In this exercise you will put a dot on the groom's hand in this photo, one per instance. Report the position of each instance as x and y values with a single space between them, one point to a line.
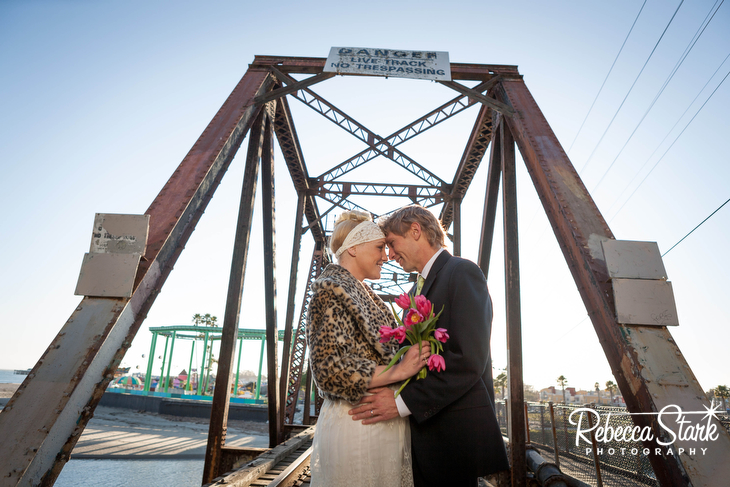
380 406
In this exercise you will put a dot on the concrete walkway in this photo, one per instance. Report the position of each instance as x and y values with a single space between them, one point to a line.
117 433
123 434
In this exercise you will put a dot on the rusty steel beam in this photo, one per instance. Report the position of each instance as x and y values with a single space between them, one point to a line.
640 357
43 420
486 100
355 128
288 356
221 394
494 173
380 147
456 212
424 195
474 152
314 65
299 346
417 127
517 436
268 214
279 92
290 148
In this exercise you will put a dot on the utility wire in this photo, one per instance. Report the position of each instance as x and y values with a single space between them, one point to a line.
607 75
684 55
669 132
630 89
695 228
668 148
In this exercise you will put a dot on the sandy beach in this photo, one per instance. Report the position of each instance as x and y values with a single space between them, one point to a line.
7 390
118 433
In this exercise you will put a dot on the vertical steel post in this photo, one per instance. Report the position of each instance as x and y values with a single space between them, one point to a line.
238 364
289 320
150 359
490 201
512 295
269 215
189 381
222 392
169 362
306 419
209 363
457 226
261 362
555 435
596 461
201 374
162 369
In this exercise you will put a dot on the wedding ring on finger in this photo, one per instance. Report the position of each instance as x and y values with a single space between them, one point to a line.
371 413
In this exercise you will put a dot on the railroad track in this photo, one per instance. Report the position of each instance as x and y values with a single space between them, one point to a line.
286 465
293 470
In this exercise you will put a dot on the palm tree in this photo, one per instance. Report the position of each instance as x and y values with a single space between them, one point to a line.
561 382
723 393
206 319
610 387
501 381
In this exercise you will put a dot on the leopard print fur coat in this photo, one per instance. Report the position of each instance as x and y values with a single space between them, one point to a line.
343 320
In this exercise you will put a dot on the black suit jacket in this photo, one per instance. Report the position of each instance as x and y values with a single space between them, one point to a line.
454 429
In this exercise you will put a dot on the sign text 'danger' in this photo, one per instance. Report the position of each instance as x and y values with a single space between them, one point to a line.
433 65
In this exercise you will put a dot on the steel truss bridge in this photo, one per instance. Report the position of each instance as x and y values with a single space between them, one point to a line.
44 419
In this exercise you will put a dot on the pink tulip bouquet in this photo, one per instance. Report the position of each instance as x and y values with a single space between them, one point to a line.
418 325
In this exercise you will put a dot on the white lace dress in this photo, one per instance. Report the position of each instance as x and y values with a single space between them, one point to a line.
348 453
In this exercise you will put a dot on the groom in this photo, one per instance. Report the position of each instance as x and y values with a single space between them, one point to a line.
455 437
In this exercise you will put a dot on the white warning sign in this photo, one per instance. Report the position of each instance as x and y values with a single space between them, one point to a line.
433 65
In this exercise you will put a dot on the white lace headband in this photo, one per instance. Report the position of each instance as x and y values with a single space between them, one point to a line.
366 231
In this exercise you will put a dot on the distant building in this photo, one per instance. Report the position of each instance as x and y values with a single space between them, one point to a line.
572 396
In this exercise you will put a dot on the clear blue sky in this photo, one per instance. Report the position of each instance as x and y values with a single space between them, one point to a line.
100 101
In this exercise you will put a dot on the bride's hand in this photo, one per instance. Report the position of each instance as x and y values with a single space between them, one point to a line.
414 360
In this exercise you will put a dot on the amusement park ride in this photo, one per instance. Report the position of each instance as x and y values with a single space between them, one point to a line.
623 284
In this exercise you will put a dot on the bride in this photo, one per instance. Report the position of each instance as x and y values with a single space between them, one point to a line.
347 359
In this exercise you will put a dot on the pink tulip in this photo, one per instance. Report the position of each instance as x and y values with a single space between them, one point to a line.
399 334
437 363
423 305
403 301
441 334
413 317
386 333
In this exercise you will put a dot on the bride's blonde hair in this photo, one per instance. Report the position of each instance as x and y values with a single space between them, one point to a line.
345 223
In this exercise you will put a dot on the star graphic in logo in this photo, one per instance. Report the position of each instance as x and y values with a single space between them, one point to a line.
712 410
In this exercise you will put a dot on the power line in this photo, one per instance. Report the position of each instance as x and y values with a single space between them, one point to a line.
668 148
695 228
684 55
669 132
607 75
630 89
